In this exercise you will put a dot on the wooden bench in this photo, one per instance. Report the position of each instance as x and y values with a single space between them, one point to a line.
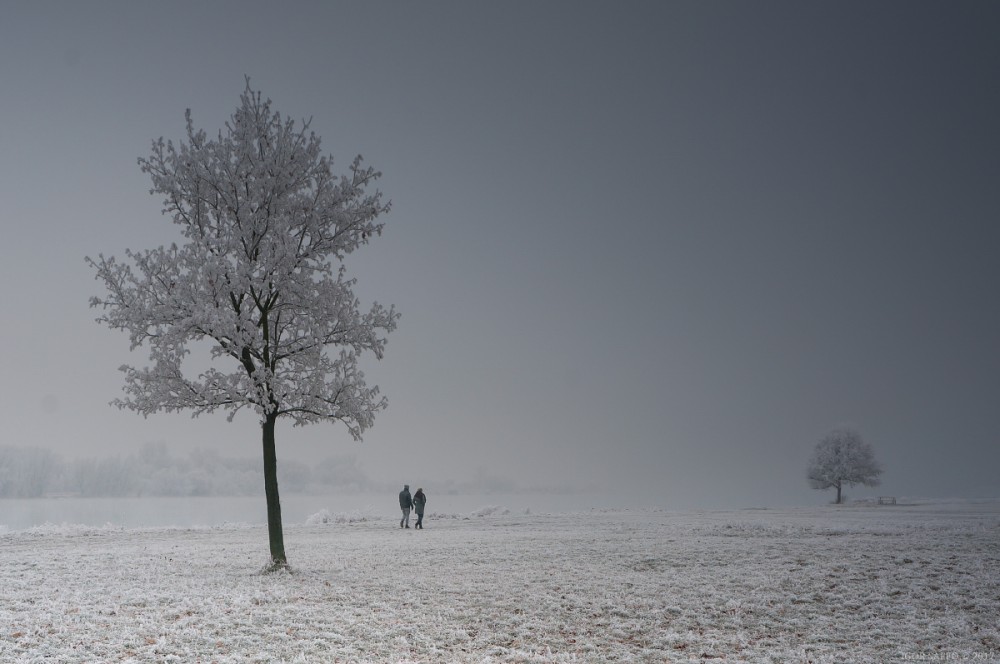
887 500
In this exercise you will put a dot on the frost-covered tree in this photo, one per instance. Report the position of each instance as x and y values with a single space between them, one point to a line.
27 472
259 277
842 458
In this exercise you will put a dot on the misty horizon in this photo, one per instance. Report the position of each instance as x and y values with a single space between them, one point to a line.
153 471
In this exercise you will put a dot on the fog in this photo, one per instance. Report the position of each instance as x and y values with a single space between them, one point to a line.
653 250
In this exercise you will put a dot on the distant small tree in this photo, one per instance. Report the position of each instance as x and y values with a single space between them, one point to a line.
259 280
842 458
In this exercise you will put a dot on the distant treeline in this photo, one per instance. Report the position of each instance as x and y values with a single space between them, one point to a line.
27 472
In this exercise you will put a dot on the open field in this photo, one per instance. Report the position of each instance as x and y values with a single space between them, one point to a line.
849 584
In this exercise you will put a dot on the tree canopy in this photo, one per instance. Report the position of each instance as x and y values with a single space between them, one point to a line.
266 225
842 458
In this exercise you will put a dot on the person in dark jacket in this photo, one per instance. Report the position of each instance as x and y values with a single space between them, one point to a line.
419 500
405 503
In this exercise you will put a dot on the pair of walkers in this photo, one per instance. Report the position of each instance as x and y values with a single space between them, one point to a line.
416 502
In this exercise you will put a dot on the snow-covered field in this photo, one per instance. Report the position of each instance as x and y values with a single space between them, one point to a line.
848 584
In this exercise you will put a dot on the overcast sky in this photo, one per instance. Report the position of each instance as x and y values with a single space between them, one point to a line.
652 247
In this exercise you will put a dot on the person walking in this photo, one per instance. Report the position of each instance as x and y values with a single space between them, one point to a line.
419 500
405 503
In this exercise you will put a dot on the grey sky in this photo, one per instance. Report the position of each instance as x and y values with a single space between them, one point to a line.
657 247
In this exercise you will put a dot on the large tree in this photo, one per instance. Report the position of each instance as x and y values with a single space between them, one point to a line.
842 458
259 277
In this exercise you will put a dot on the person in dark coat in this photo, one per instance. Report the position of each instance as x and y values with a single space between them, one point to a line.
419 500
405 503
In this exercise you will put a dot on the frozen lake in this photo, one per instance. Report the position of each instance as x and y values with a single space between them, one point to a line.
860 584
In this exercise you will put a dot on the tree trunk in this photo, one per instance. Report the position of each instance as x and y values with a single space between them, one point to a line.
838 490
275 536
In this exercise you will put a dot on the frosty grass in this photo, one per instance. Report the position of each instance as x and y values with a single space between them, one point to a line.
850 584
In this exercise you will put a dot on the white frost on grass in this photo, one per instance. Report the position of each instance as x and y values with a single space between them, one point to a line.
861 584
326 517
